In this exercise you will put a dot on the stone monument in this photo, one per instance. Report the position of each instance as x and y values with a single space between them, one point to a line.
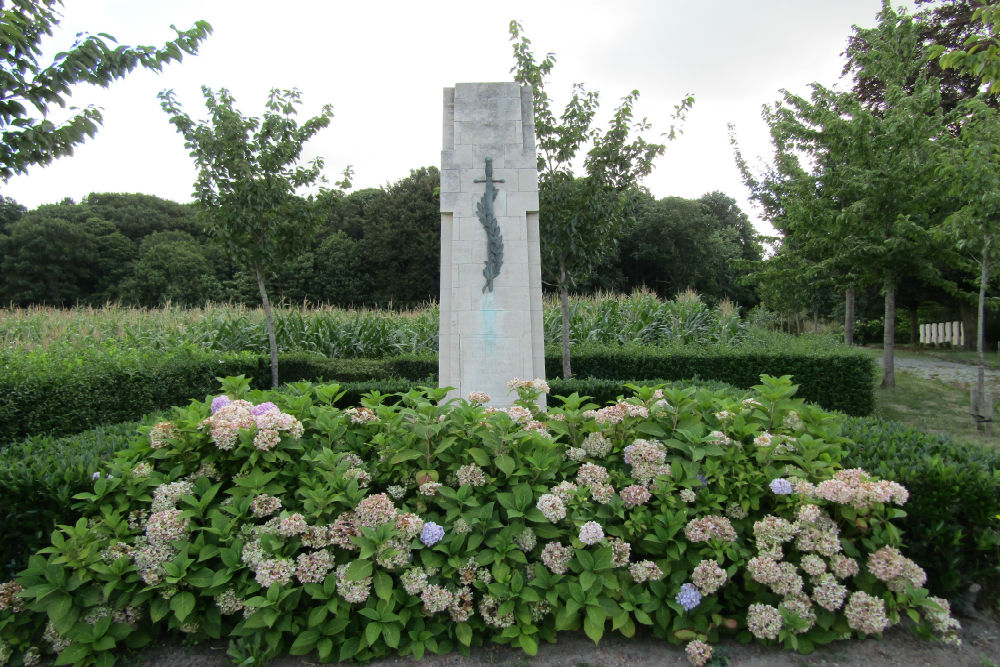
491 283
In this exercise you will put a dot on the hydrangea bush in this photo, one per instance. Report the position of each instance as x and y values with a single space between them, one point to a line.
290 525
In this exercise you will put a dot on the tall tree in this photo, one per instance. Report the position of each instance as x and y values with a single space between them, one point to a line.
30 89
249 172
971 165
581 215
979 54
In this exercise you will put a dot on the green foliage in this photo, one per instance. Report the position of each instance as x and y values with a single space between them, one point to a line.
981 56
950 526
31 89
248 177
186 537
582 216
38 479
70 391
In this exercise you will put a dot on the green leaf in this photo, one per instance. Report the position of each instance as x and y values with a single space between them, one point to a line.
359 569
182 604
529 644
372 632
390 633
505 464
383 585
305 642
463 631
523 496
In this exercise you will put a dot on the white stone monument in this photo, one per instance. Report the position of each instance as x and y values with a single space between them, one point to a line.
491 283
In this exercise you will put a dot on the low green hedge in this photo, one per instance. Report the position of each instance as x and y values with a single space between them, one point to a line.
58 395
54 394
952 527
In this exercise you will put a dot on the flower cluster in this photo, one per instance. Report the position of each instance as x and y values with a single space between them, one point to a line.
409 524
764 621
596 445
355 592
898 571
710 527
866 613
435 598
162 435
591 533
312 568
470 475
556 557
9 597
526 540
591 474
781 487
621 551
551 506
292 525
688 597
708 576
361 415
414 580
537 384
635 495
856 488
615 414
431 533
645 570
274 571
478 397
375 510
698 652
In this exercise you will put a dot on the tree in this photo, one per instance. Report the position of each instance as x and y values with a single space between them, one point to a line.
980 56
871 167
971 164
248 174
48 257
30 90
172 267
580 216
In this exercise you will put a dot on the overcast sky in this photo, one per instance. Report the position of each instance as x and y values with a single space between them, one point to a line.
383 65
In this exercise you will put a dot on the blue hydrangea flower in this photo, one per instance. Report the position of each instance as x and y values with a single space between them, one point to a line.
262 408
431 534
688 597
703 480
219 402
781 486
96 475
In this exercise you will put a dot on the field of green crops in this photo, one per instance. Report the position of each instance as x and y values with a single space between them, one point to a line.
606 319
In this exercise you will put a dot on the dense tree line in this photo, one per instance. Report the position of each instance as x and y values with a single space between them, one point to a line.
375 247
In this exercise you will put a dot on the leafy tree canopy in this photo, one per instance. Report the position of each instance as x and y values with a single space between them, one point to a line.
30 90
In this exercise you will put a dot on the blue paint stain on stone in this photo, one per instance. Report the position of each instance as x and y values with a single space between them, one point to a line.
488 321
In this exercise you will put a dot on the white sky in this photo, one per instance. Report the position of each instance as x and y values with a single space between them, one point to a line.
383 64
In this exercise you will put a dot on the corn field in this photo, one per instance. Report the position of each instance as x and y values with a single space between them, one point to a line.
604 319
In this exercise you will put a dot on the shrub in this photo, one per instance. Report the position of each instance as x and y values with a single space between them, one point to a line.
951 526
288 524
68 392
38 479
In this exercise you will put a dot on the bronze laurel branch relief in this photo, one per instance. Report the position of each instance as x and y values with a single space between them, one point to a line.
494 239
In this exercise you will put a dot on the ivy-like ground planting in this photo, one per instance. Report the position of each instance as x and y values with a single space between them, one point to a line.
290 525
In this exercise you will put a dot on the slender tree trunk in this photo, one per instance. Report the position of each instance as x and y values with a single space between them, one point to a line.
564 306
271 342
914 327
889 334
849 316
798 324
984 277
816 320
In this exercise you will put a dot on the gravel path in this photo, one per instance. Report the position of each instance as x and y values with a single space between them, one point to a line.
980 648
946 371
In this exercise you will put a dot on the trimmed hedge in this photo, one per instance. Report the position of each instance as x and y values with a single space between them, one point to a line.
46 394
951 528
58 395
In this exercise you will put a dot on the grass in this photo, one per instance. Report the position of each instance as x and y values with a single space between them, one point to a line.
934 405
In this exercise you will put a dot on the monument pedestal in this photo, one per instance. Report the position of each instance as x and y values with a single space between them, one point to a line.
491 284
